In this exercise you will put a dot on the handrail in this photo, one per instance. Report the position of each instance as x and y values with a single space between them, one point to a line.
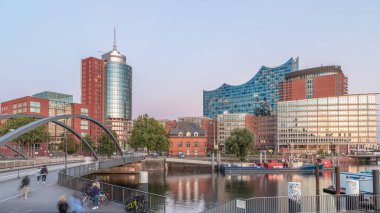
72 178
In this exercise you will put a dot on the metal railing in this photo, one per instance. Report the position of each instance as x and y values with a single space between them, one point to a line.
72 179
315 203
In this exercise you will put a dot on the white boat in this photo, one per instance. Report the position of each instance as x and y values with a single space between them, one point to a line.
364 178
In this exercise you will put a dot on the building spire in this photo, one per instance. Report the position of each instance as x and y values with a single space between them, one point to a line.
114 39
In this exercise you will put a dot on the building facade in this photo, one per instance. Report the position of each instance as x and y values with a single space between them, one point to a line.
261 90
265 130
227 122
187 138
318 82
92 91
208 124
47 104
332 124
118 94
107 90
168 124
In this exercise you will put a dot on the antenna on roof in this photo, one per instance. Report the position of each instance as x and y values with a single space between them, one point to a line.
114 39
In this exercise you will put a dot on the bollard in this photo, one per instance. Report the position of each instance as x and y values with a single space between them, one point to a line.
294 197
337 187
352 190
317 186
376 190
144 181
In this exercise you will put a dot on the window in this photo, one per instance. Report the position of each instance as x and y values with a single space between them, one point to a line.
84 124
180 134
35 107
196 134
84 111
196 152
196 144
179 144
188 134
188 144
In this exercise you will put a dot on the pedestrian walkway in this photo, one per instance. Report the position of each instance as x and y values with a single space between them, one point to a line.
42 198
11 174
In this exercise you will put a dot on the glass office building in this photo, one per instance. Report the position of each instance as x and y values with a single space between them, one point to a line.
117 94
261 91
118 84
343 123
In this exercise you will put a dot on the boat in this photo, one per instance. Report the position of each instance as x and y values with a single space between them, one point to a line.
253 168
364 178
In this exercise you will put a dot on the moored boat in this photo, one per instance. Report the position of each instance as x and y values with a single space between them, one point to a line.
253 168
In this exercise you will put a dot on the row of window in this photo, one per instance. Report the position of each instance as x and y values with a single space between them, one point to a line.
188 144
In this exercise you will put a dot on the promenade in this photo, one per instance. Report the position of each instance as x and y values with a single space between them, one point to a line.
43 197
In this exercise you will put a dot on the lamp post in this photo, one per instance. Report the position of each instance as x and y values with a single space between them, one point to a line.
65 147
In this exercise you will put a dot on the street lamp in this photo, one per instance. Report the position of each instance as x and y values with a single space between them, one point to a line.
18 157
65 147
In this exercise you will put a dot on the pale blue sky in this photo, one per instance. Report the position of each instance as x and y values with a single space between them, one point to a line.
179 48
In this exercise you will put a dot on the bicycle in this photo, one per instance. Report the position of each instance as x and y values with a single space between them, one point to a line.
137 204
104 198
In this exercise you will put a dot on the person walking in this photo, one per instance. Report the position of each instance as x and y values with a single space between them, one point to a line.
44 173
75 203
62 205
25 187
37 173
95 190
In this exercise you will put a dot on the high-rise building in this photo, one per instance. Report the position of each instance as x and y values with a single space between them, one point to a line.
317 82
118 94
208 124
92 89
107 89
330 124
262 91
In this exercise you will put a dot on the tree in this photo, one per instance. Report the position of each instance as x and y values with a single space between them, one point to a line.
240 142
148 133
90 142
106 145
72 145
37 135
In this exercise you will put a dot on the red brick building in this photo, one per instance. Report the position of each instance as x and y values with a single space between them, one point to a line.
187 138
92 95
43 107
208 124
264 128
26 105
168 124
324 81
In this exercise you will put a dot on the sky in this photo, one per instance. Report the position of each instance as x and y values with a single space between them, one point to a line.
179 48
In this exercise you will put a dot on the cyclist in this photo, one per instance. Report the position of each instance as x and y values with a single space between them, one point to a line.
95 192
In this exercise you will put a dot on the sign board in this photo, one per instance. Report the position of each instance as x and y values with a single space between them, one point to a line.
240 204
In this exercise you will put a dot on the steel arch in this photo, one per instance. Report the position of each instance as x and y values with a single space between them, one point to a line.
10 116
16 133
13 149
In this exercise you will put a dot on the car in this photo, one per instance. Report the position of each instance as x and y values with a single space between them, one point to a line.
154 154
181 155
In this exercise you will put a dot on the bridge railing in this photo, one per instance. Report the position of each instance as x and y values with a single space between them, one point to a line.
72 179
314 203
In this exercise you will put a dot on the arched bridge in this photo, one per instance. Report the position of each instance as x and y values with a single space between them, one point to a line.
55 119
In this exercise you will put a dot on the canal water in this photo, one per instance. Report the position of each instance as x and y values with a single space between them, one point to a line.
194 190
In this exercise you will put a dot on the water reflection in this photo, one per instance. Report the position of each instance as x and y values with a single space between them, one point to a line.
195 190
